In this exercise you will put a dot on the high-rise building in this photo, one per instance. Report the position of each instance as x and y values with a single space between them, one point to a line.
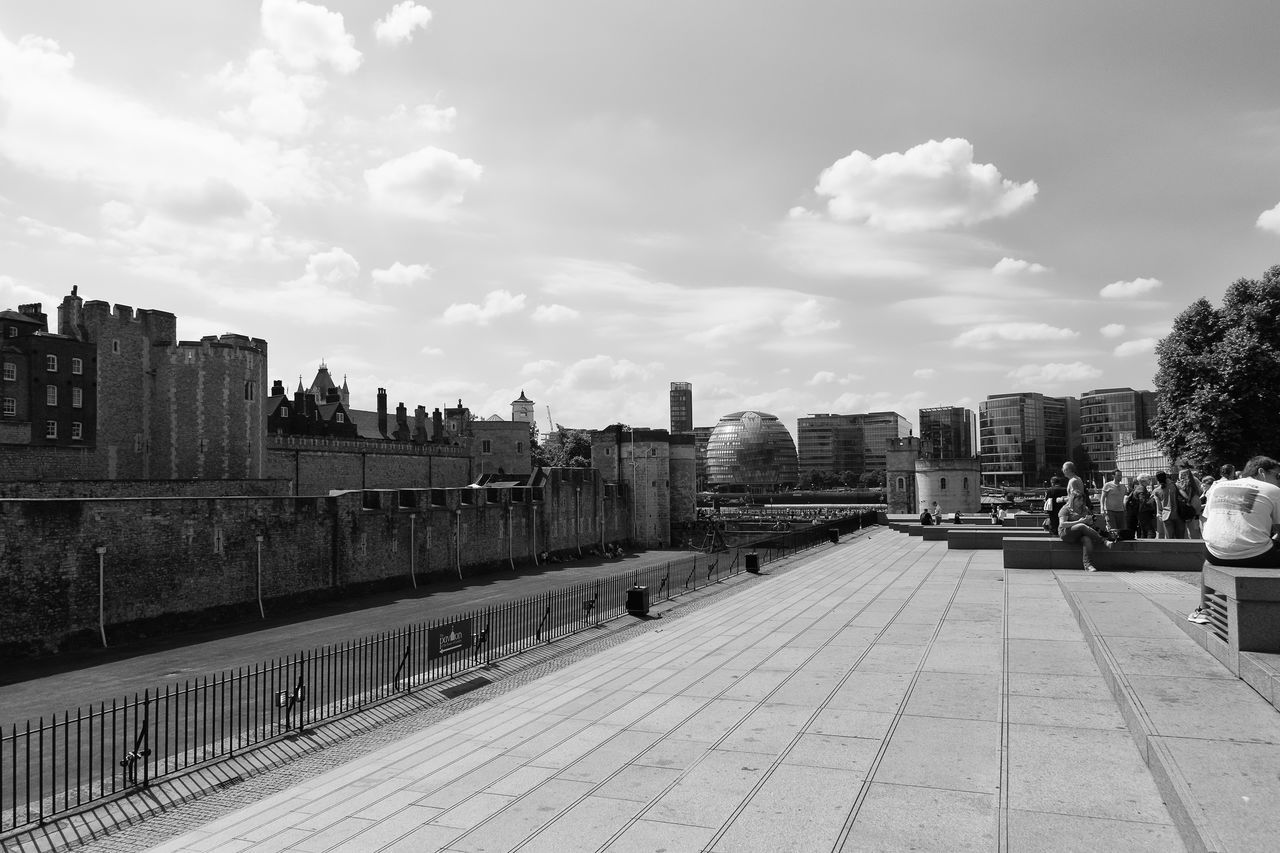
751 451
1107 415
1023 438
681 408
835 444
948 432
701 437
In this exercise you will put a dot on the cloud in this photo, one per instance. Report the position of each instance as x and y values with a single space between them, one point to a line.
398 25
924 373
830 377
554 314
1054 374
334 267
1269 220
429 117
1129 289
402 274
807 318
600 372
1135 347
279 102
935 185
306 35
1112 330
497 303
1013 266
427 183
60 126
324 294
430 350
992 335
541 366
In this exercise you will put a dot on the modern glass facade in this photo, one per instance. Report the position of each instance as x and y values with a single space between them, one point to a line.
947 432
838 443
751 451
1105 416
681 408
1023 438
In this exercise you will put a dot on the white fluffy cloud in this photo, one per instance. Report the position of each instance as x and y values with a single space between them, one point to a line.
924 373
497 303
429 117
1269 220
1112 330
398 25
279 102
1130 289
1137 347
554 314
1013 266
323 295
402 274
992 335
307 35
932 186
1054 373
334 267
429 183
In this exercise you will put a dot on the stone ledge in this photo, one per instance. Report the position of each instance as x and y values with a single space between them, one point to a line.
1050 552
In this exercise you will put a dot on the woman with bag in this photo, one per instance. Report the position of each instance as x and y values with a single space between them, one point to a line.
1077 524
1189 503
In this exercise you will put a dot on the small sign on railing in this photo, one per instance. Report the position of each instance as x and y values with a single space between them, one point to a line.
448 639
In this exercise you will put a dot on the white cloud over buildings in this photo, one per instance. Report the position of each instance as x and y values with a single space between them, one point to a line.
1013 266
398 26
307 35
1054 373
1137 347
497 303
429 183
992 335
402 274
1130 289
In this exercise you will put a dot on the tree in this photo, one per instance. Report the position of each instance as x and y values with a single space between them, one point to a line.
1218 377
564 448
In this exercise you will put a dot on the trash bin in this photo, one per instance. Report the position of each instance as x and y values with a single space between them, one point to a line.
638 601
834 535
753 563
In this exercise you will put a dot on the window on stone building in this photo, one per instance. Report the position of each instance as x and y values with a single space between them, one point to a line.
217 540
10 407
486 446
942 484
10 372
340 418
77 366
77 398
115 347
77 431
249 390
50 429
966 484
51 395
51 363
204 445
12 331
902 484
519 447
284 411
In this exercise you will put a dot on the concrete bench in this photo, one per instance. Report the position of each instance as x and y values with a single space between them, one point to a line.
1244 607
1029 519
1050 552
987 538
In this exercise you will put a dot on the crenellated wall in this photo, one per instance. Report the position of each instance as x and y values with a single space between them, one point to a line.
173 561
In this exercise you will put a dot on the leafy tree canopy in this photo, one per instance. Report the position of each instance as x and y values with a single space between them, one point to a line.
563 448
1218 377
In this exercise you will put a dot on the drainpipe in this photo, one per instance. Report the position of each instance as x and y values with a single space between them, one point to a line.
102 625
533 528
577 518
511 537
413 574
261 613
457 540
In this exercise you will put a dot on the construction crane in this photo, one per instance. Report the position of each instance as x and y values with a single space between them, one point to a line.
551 425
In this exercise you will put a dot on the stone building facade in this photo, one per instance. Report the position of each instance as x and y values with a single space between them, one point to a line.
913 480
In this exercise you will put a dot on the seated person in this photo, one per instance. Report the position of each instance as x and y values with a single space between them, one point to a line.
925 517
1076 523
1241 521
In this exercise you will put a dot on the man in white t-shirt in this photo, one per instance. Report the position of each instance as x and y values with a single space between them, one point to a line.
1241 521
1113 495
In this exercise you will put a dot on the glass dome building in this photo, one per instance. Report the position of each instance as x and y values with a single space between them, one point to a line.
751 451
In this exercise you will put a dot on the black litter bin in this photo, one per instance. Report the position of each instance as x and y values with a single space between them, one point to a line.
834 535
638 601
753 562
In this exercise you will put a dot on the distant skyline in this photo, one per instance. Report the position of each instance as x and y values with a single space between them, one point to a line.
818 207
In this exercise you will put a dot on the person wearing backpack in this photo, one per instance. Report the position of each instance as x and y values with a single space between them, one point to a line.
1170 524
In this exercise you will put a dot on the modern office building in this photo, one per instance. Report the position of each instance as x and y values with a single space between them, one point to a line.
752 452
1106 415
1023 438
948 432
701 437
681 408
838 443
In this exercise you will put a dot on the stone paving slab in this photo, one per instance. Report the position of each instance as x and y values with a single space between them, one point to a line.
872 698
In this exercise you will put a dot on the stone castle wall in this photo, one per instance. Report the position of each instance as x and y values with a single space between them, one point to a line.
176 558
318 465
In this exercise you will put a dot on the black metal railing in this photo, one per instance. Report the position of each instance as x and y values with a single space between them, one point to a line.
58 764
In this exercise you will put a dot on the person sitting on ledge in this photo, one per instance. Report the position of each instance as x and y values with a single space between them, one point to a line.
1076 524
926 518
1241 523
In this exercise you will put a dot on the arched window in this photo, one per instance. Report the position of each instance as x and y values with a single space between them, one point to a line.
902 484
943 484
966 484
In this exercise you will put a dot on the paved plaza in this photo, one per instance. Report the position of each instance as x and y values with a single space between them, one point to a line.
884 693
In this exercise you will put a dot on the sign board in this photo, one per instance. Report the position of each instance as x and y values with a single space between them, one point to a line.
448 639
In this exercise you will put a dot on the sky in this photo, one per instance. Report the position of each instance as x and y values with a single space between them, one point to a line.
806 207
